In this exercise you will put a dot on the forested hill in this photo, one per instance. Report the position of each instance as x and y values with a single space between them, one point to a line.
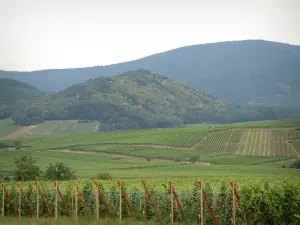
250 72
133 100
12 91
14 94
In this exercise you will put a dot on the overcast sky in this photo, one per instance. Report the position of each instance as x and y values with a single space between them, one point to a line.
40 34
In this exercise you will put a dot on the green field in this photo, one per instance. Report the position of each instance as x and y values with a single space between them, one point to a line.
7 126
224 151
47 128
124 152
65 127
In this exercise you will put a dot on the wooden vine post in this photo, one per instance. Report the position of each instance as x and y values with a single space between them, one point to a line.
76 199
56 199
72 201
145 206
3 201
10 200
172 204
123 194
37 203
147 192
120 209
20 203
21 192
200 182
43 197
103 198
62 199
233 203
97 199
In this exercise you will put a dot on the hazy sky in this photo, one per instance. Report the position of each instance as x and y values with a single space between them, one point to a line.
40 34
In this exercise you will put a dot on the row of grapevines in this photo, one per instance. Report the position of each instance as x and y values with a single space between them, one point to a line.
261 203
265 124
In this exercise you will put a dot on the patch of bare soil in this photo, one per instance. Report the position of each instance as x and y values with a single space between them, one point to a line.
75 124
19 133
38 133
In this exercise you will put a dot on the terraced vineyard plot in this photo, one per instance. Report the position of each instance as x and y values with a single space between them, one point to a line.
86 127
163 137
226 141
295 146
261 142
144 152
54 127
7 126
265 124
64 127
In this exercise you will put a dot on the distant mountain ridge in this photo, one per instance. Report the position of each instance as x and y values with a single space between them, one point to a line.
252 72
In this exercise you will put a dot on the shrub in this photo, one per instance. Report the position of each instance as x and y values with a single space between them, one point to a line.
26 168
296 164
102 176
59 171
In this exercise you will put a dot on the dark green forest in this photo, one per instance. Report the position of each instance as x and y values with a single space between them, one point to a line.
134 100
251 72
14 95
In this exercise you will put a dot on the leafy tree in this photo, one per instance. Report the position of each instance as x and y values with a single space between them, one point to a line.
296 164
194 159
27 169
148 159
17 145
59 171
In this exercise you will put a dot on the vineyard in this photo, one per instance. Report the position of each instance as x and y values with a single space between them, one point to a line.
261 142
220 151
7 126
265 124
203 203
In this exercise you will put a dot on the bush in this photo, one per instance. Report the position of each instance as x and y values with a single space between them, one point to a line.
26 168
296 164
148 159
17 145
194 159
59 171
102 176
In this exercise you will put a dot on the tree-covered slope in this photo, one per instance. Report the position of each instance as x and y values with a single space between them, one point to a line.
250 72
12 91
135 99
15 93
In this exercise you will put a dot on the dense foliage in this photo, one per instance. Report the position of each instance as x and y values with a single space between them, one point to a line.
139 99
250 72
26 168
59 171
14 95
261 203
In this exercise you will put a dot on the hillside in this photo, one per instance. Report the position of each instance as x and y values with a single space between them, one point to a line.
12 91
136 99
265 143
15 93
139 99
250 72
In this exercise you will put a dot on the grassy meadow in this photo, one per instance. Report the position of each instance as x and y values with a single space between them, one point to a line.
223 151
